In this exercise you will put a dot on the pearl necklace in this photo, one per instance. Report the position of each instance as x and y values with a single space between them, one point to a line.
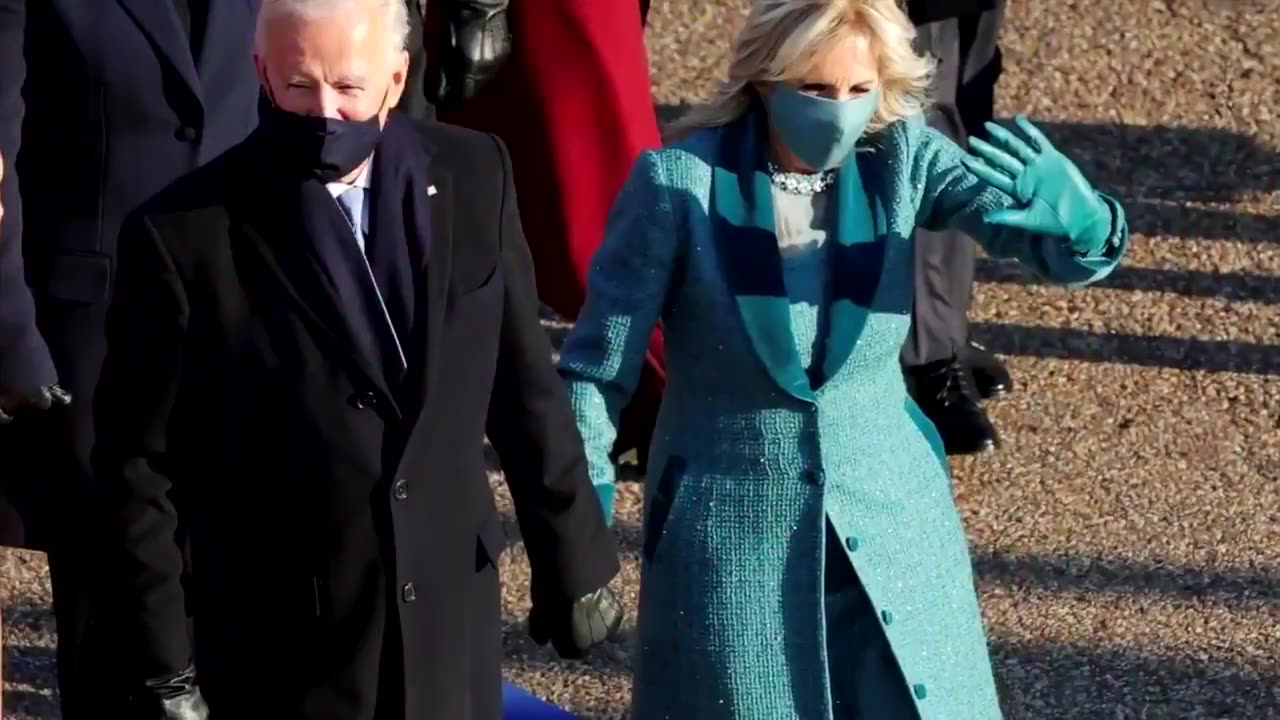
801 183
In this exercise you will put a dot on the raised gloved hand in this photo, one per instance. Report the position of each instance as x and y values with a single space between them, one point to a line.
573 631
478 43
176 697
39 399
1055 197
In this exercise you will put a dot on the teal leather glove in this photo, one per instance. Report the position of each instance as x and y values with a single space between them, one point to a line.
1055 197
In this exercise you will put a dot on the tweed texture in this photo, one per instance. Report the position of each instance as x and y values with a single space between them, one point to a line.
744 473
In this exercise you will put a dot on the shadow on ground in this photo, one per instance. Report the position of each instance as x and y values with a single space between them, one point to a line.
28 670
1117 683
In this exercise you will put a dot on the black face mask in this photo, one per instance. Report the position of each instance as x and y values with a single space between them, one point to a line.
325 147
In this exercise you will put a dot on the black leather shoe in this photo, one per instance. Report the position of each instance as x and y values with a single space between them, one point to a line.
944 390
990 377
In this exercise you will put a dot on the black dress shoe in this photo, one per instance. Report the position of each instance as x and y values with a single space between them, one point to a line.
944 391
990 377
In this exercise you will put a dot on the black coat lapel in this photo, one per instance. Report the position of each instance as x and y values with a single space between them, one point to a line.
435 226
159 20
276 224
412 225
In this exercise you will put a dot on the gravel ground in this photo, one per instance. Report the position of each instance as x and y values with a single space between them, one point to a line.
1127 539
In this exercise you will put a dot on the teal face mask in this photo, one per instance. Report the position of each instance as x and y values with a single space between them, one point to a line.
820 131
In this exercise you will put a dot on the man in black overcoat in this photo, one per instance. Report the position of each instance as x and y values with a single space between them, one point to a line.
102 104
311 337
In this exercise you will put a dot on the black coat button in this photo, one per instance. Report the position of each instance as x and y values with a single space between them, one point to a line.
815 477
363 401
400 490
408 593
186 133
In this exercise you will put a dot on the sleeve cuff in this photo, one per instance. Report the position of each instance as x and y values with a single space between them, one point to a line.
605 493
27 365
1113 244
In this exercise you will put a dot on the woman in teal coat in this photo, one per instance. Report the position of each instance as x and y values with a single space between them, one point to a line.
802 553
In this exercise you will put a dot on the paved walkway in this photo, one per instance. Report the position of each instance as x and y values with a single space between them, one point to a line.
1127 540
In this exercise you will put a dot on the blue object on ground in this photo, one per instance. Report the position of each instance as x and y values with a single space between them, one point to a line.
520 704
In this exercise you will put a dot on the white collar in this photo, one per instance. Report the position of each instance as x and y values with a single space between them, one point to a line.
363 180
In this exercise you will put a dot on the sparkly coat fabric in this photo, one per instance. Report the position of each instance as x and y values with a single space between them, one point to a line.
752 455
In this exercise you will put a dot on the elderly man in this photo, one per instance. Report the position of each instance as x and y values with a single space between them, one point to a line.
102 104
310 338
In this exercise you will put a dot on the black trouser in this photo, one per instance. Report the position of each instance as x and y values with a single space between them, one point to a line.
49 486
47 479
964 96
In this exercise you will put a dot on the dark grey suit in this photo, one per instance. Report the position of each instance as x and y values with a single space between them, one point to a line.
962 35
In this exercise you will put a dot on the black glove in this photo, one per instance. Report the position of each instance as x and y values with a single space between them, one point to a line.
576 629
478 44
41 399
176 697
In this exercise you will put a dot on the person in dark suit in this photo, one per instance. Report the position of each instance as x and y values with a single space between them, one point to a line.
948 373
102 103
310 338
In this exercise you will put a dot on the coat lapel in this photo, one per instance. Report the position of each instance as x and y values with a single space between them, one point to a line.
857 258
432 295
159 20
747 246
276 233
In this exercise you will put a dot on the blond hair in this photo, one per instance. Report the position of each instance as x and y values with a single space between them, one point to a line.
782 39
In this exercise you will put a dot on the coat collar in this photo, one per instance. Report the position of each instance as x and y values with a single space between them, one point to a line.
741 210
271 220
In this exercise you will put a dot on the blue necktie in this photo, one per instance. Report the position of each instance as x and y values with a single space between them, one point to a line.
352 202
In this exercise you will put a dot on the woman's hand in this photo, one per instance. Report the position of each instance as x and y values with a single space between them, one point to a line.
1056 199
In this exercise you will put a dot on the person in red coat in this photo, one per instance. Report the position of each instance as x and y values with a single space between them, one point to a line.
565 84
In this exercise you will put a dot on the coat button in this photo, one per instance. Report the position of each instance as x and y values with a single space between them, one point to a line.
887 617
363 401
400 490
815 477
851 542
920 690
186 133
408 593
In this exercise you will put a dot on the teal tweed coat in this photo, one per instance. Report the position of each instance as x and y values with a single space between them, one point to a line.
751 455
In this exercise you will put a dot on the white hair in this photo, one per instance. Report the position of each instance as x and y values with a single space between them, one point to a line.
395 17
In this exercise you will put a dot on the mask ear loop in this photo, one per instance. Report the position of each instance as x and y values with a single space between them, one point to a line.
383 105
270 93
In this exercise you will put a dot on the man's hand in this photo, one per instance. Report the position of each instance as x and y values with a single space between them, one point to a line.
176 697
40 399
478 43
575 630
